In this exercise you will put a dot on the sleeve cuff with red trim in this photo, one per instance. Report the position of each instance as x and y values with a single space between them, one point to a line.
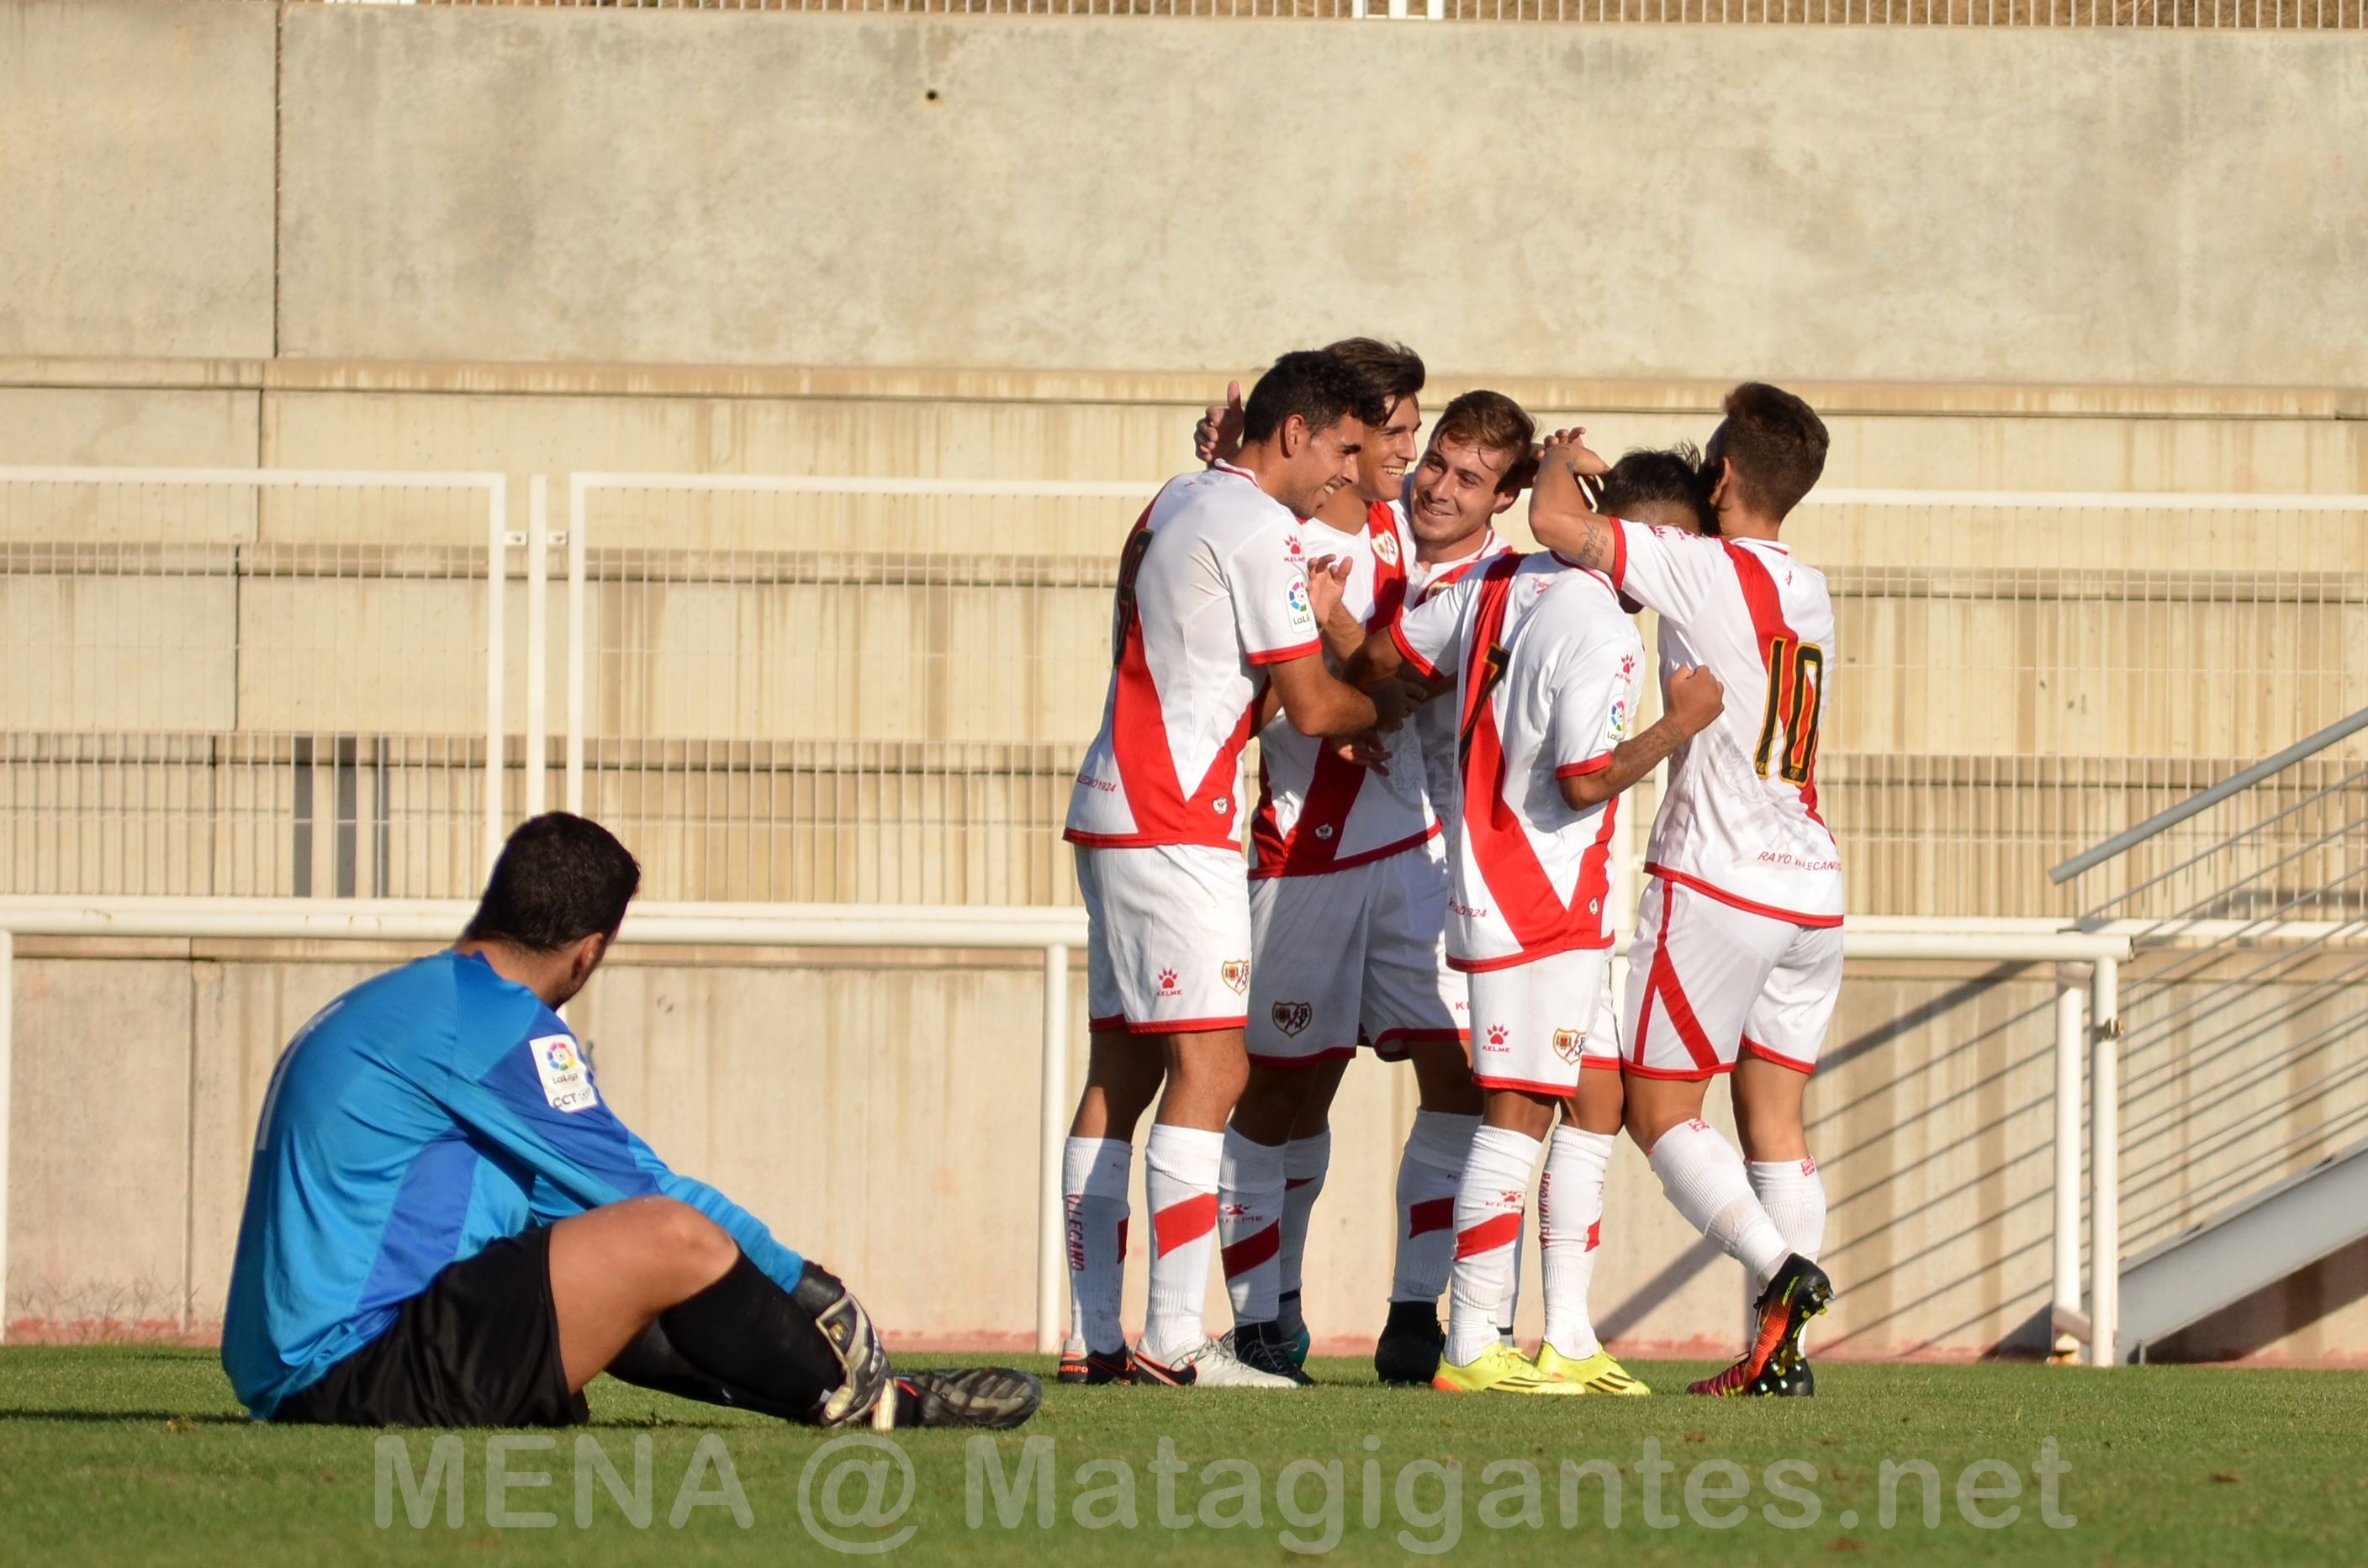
1397 635
1619 553
1581 769
1285 655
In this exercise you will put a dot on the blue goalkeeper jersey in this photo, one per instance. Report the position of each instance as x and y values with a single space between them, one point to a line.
414 1119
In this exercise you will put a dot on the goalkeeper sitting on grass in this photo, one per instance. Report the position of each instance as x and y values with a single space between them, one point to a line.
446 1226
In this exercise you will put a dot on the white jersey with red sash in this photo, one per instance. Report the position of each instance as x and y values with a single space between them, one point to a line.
1211 587
1317 812
1740 822
1432 727
1546 668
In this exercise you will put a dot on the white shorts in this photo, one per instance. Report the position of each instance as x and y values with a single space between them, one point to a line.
1707 980
1168 938
1353 956
1534 1025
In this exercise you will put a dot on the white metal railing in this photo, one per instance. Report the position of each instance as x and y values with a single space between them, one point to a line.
2242 1005
1055 932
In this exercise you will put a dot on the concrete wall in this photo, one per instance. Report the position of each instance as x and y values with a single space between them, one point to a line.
136 175
1904 203
1910 204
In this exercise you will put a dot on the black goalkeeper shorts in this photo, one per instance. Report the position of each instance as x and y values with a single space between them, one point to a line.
478 1348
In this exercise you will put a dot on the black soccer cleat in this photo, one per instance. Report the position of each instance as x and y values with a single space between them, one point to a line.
1093 1368
966 1396
1796 1382
1264 1347
1799 1292
1411 1343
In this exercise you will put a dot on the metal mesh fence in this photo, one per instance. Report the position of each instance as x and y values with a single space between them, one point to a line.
226 684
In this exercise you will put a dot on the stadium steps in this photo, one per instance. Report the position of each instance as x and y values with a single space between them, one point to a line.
2263 1240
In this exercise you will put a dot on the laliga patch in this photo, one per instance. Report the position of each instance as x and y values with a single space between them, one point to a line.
566 1076
1292 1016
1296 597
1570 1044
1235 973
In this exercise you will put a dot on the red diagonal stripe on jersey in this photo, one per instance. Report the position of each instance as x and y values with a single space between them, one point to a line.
1509 862
1181 1225
1503 1230
1252 1250
1431 1214
1146 761
1331 796
1768 624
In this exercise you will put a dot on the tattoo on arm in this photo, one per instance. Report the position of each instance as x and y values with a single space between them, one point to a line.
1595 546
1631 761
1636 757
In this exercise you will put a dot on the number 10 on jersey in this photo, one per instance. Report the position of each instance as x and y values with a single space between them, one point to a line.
1796 692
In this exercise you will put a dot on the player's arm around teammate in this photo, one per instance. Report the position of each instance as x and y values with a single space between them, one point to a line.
1737 956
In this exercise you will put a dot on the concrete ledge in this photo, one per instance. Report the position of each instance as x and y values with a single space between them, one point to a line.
844 383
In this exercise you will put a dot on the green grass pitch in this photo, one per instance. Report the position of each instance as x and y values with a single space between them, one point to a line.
138 1453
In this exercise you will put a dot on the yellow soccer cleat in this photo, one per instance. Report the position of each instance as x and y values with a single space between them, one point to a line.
1500 1368
1598 1374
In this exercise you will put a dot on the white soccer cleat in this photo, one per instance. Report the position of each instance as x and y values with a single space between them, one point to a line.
1208 1365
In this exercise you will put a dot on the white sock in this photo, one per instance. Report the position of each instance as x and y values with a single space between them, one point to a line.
1304 1163
1093 1191
1570 1227
1487 1235
1180 1184
1794 1196
1510 1309
1429 1173
1249 1225
1704 1177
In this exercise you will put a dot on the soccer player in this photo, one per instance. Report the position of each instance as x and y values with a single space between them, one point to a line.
1475 468
1213 609
1737 960
1341 881
1350 891
1544 667
447 1225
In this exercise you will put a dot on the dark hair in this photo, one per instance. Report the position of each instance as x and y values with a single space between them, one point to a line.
1394 369
560 879
1672 474
1494 423
1318 386
1777 444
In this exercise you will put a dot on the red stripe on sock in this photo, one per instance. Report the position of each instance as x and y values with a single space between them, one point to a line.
1252 1250
1179 1224
1121 1236
1490 1234
1594 1236
1430 1214
1291 1182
